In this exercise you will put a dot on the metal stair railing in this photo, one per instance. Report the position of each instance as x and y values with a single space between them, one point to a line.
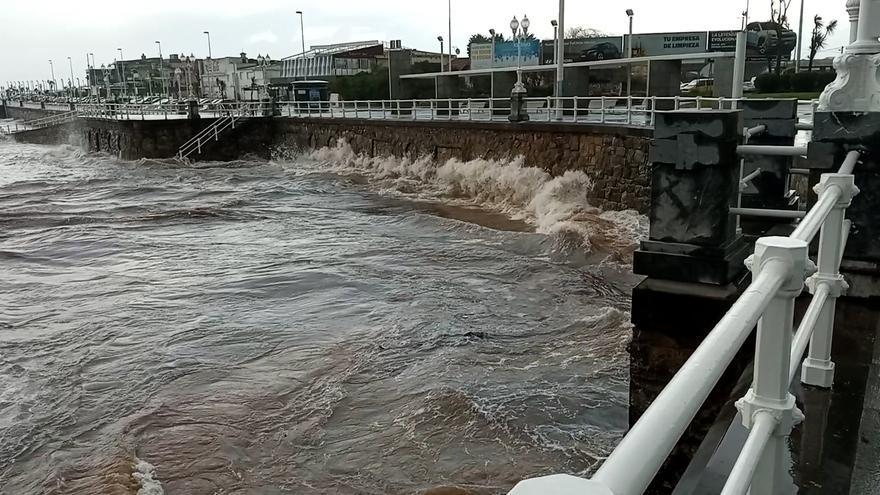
41 123
195 143
779 267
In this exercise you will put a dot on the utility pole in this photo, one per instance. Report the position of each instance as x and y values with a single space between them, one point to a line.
560 57
797 59
302 31
450 35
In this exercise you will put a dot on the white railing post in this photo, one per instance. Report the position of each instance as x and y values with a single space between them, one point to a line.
629 110
769 392
818 369
602 111
575 109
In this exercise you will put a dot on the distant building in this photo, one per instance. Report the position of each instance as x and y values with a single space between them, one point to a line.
325 61
175 76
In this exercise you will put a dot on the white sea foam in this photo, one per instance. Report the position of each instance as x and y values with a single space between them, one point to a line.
554 205
145 474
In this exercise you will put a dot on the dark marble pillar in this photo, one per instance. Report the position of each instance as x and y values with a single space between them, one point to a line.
695 180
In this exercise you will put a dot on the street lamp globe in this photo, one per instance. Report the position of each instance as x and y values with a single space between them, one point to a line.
514 25
440 39
525 25
630 12
554 23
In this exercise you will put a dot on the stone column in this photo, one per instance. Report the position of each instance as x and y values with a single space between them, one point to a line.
848 118
769 190
852 8
694 262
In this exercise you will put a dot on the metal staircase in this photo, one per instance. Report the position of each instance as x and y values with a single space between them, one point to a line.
213 132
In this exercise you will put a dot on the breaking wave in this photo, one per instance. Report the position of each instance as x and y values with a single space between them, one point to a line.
145 475
556 206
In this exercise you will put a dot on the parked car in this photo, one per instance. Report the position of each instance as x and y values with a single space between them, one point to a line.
699 87
600 51
763 38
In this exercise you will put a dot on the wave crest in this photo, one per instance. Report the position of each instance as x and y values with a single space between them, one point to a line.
554 205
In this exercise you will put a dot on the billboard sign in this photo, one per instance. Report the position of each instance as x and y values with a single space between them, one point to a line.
722 41
649 45
762 41
481 55
586 49
507 54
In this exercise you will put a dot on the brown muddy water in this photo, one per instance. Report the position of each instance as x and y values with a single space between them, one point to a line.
321 324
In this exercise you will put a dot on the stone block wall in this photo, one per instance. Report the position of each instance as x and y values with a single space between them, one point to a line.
615 158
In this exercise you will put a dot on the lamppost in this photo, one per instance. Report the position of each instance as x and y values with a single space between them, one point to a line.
208 34
52 69
555 41
629 52
122 71
518 111
440 39
161 70
72 89
263 63
492 66
188 63
106 73
520 31
302 31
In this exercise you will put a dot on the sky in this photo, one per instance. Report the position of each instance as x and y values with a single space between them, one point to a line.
33 33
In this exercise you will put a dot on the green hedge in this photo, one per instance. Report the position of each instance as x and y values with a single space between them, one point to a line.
802 82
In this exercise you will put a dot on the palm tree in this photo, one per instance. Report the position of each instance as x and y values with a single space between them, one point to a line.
819 37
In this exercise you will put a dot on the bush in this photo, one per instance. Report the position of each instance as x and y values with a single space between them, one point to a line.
768 83
789 82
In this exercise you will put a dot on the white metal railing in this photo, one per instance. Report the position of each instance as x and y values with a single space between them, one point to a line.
226 119
779 267
630 111
635 111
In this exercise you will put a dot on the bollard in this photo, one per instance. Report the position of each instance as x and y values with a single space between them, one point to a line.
518 111
769 392
192 110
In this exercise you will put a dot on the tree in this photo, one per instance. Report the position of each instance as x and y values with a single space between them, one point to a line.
819 37
583 32
779 19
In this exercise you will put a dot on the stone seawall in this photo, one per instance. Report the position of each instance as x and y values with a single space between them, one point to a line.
615 158
134 139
